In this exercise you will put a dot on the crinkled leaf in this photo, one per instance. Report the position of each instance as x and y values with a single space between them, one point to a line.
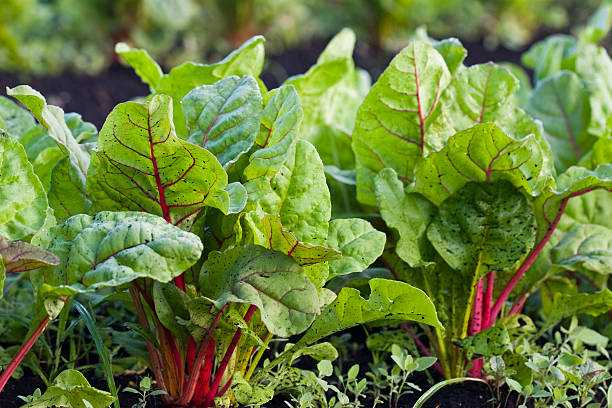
142 165
82 131
388 299
481 93
224 117
397 122
562 104
237 197
52 118
592 208
247 394
490 342
408 213
14 119
18 256
300 195
276 139
23 202
587 247
246 60
359 243
482 153
566 305
70 389
270 280
575 181
44 164
146 68
111 249
279 239
480 228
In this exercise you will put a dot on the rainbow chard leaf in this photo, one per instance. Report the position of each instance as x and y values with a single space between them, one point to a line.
562 104
359 243
19 256
246 60
587 248
15 120
482 227
275 141
453 53
300 195
284 241
479 94
270 280
67 191
407 213
224 117
23 202
398 121
52 118
114 248
483 153
142 165
71 389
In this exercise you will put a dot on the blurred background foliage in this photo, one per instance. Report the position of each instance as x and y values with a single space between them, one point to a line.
42 37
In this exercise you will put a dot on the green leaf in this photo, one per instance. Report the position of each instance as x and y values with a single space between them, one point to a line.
407 213
480 228
170 304
522 95
70 389
300 195
549 56
247 394
270 280
575 181
52 118
359 243
598 24
246 60
453 53
18 256
562 104
275 141
594 66
146 68
567 305
389 300
482 153
483 226
45 162
67 191
340 46
224 117
397 122
24 203
142 165
14 119
279 239
481 93
490 342
111 249
587 248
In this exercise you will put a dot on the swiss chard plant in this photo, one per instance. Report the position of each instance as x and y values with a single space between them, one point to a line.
473 189
205 205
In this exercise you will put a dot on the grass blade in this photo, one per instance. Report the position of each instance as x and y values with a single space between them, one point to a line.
436 387
102 351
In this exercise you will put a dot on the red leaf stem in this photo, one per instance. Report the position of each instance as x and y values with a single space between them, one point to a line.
203 385
518 306
476 322
212 393
23 351
197 363
487 302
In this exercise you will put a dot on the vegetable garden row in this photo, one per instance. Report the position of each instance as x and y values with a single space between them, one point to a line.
442 198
